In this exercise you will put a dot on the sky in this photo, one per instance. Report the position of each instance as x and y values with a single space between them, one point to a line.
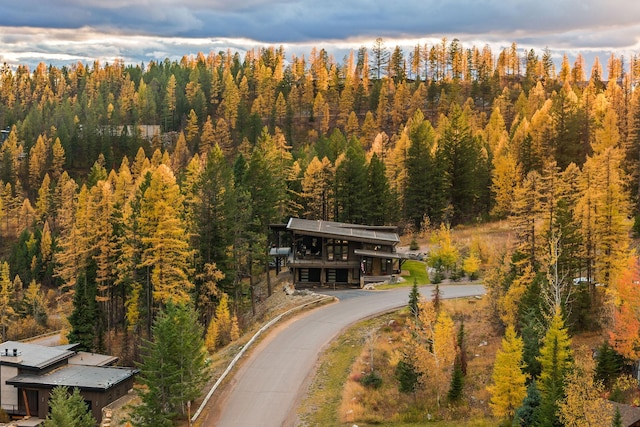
62 32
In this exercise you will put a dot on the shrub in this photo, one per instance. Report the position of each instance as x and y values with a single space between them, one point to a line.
371 380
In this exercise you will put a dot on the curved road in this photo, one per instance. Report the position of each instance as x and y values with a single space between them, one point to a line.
266 388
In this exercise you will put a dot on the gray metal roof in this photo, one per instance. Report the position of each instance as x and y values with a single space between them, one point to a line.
32 355
279 251
353 232
377 254
92 359
83 377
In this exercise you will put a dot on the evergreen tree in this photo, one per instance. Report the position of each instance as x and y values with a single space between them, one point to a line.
531 336
84 318
457 384
68 409
414 300
379 210
465 168
421 183
525 416
609 365
617 418
351 185
173 367
555 359
407 375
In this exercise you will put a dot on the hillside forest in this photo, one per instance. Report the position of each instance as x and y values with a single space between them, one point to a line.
124 187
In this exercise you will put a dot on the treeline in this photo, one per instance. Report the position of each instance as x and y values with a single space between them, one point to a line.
122 221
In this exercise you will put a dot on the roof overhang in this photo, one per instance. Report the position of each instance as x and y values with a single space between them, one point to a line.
382 235
377 254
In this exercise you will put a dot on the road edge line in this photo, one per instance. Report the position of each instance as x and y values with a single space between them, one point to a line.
246 346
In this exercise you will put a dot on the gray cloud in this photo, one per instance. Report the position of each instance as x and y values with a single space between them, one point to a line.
142 29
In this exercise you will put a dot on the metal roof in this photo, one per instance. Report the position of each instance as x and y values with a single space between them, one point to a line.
83 377
377 254
92 359
353 232
31 355
279 252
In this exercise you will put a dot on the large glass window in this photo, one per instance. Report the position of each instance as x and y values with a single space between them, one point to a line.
337 250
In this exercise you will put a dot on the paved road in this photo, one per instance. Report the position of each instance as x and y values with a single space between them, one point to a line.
266 388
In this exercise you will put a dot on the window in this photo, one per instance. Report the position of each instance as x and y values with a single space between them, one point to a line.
337 250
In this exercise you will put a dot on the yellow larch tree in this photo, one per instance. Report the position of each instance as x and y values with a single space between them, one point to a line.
508 387
6 299
584 404
317 188
37 161
167 251
434 345
57 159
43 203
207 139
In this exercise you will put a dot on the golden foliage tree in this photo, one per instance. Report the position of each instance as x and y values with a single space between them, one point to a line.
167 250
625 331
508 387
583 405
434 345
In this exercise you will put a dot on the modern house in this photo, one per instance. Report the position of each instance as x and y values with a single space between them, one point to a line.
329 253
28 373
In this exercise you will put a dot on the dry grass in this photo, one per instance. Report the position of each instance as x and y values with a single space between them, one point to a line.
365 406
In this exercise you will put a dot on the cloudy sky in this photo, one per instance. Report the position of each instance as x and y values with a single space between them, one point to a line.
66 31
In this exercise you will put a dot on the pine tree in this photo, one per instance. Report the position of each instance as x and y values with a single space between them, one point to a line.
457 384
609 365
555 359
351 185
508 387
525 416
531 337
617 418
84 318
379 209
407 375
414 300
173 367
68 409
421 186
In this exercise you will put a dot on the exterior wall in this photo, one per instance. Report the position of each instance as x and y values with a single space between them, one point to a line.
43 403
312 261
8 393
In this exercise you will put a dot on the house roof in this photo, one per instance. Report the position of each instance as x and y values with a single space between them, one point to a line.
92 359
32 356
83 377
281 252
377 254
630 414
355 232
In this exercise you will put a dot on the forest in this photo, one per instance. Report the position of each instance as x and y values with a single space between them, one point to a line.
125 187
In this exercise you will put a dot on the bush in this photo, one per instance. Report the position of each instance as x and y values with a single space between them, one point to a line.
438 277
4 417
413 246
371 380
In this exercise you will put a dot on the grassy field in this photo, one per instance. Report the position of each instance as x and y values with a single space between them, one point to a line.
417 271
